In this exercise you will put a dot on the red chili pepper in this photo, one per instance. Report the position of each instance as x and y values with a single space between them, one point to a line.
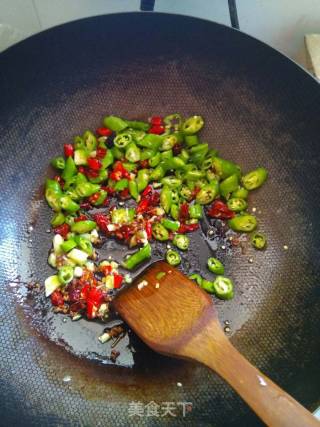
96 296
110 190
157 130
68 150
106 202
187 228
101 153
85 291
118 166
91 310
102 221
63 230
106 269
117 280
148 190
124 194
57 298
195 191
220 210
59 180
156 121
104 131
93 198
81 218
85 205
148 229
144 164
82 169
184 212
176 149
154 199
142 206
94 164
115 176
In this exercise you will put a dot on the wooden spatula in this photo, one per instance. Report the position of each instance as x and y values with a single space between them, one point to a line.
175 317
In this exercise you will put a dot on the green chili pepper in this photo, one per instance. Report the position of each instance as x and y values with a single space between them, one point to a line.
255 179
223 287
122 215
151 141
168 142
175 163
130 167
240 193
193 175
192 125
102 142
69 220
184 155
155 160
170 225
132 153
207 286
206 164
228 185
158 173
166 199
200 148
81 157
258 241
116 153
142 179
122 140
181 241
138 257
186 193
53 194
191 140
58 219
207 193
174 211
65 274
236 204
147 154
90 140
210 175
197 278
172 257
243 223
200 183
195 211
215 266
86 189
139 125
171 182
108 159
224 168
67 245
84 244
82 227
102 197
80 179
121 185
103 176
116 124
70 169
165 155
173 120
52 184
78 142
137 134
58 162
69 183
160 275
159 232
68 204
198 158
133 189
175 196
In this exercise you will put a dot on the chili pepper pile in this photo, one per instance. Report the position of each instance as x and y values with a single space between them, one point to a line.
167 174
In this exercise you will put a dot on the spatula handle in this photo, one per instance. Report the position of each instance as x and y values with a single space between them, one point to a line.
272 404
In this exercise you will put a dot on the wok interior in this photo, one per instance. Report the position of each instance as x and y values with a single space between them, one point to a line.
259 109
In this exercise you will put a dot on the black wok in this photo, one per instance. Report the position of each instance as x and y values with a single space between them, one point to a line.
260 109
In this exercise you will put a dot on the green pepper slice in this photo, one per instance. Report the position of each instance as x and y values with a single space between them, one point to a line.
58 162
258 240
255 179
58 219
171 182
243 223
82 227
197 278
159 232
241 193
208 193
170 225
208 286
122 216
116 124
132 153
181 241
215 266
174 211
195 211
166 199
122 140
172 257
223 287
65 274
236 204
192 125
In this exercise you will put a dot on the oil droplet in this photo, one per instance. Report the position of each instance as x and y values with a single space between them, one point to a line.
285 247
30 229
30 240
254 209
48 230
121 203
179 384
168 246
250 260
227 322
227 329
66 379
65 320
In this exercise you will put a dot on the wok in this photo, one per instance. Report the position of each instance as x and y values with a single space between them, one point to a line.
260 109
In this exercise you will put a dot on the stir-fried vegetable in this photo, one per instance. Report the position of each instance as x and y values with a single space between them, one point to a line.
171 179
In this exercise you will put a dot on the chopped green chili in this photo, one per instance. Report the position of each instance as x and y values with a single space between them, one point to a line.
65 274
215 266
58 162
223 287
172 257
170 225
258 240
137 258
159 232
85 226
255 179
192 125
197 278
243 223
181 241
236 204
